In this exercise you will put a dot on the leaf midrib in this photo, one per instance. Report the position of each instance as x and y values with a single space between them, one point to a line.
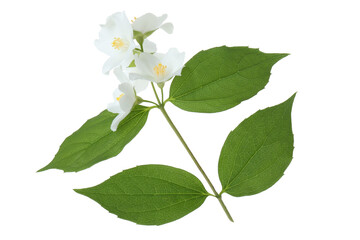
262 145
157 178
156 209
226 76
146 194
187 77
247 179
84 150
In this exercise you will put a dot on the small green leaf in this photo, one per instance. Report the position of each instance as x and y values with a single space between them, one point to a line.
147 34
149 194
140 37
132 64
220 78
95 142
257 152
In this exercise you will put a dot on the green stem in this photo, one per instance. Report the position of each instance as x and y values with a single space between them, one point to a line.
162 109
156 95
150 102
218 196
162 95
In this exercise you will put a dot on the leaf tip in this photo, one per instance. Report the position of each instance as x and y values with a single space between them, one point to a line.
291 99
51 166
79 191
47 167
282 55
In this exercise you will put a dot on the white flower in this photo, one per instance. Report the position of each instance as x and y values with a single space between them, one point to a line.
124 99
158 67
149 23
116 40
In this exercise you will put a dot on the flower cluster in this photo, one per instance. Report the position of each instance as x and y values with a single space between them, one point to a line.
135 63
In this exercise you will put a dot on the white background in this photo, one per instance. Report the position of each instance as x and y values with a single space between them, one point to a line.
51 83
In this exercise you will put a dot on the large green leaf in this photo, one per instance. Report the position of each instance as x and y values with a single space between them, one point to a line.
95 142
149 194
257 152
220 78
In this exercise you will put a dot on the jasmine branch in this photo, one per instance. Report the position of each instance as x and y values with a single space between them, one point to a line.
161 106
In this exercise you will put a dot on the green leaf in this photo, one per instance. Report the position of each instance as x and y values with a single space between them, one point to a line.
220 78
95 142
257 152
149 194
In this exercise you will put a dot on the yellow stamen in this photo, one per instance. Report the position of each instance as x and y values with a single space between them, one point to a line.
133 20
119 97
118 43
160 69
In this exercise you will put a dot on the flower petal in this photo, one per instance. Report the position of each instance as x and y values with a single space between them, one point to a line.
127 89
145 64
117 25
112 62
117 120
114 107
120 59
174 60
117 93
167 27
140 85
149 46
126 103
104 45
148 22
123 76
138 76
123 26
128 99
120 74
